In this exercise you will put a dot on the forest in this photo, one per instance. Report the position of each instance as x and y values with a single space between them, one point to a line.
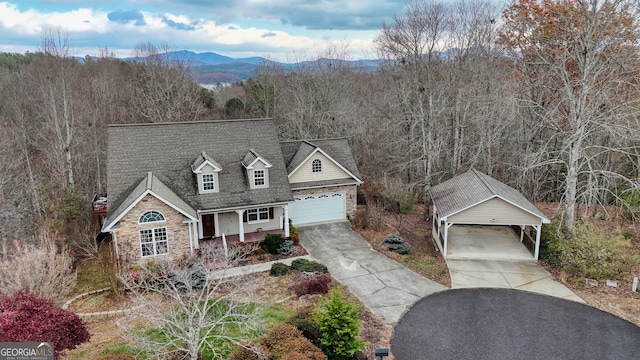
542 95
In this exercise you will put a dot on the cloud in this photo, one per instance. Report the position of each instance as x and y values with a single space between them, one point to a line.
178 25
127 16
308 14
248 32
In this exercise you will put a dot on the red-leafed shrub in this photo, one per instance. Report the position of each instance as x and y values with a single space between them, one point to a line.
312 283
28 318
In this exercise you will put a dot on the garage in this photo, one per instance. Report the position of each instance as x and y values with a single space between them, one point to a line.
474 198
310 208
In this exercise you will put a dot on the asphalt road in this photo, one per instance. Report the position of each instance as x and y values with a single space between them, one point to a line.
510 324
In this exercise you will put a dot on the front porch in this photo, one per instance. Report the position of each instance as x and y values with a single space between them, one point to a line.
251 237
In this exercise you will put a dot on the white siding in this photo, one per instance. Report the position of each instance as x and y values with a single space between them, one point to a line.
330 171
228 222
494 212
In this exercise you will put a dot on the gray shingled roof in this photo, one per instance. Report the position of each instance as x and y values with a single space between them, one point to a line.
295 152
150 182
169 149
474 187
251 156
201 159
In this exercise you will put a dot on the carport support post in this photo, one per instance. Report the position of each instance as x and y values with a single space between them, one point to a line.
537 251
446 238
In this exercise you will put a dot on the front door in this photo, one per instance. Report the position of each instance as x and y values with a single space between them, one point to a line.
208 226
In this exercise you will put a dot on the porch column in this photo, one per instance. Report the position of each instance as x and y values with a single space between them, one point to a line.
537 251
522 232
190 224
241 230
196 238
216 225
286 220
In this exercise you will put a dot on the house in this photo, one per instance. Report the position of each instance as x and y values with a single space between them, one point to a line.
474 198
173 186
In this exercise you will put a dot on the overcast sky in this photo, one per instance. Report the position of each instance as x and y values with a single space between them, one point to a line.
282 30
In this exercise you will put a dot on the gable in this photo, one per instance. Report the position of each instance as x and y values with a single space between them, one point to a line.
150 185
494 211
472 188
329 170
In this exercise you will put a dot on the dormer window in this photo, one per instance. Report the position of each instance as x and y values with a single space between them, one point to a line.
257 169
316 166
258 178
208 182
207 171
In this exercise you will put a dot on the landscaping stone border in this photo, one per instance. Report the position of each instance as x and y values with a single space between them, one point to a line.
99 314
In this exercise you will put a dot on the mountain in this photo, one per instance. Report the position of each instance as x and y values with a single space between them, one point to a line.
212 68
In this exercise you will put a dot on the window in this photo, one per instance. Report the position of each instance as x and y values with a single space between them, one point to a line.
258 178
258 215
316 166
151 216
153 241
208 182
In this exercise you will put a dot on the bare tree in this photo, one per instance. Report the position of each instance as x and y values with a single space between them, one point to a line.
57 101
413 45
582 58
191 304
40 267
164 87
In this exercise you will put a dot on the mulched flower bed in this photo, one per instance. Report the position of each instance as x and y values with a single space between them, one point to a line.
259 257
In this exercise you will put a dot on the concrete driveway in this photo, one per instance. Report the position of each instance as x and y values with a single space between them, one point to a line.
493 257
382 284
509 324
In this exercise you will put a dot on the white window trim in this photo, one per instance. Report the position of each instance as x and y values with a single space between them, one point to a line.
257 212
201 183
265 178
153 241
152 222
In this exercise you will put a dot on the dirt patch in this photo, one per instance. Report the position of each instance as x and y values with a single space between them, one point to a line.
424 258
619 300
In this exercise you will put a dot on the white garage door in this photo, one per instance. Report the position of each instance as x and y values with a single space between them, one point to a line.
317 208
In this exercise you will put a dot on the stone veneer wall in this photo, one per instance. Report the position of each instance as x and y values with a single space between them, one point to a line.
128 236
350 192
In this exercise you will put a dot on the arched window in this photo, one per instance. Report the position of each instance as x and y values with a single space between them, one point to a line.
151 216
316 165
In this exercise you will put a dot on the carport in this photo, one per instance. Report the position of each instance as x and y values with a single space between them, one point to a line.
474 198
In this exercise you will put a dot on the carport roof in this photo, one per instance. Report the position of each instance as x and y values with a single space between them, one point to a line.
472 188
